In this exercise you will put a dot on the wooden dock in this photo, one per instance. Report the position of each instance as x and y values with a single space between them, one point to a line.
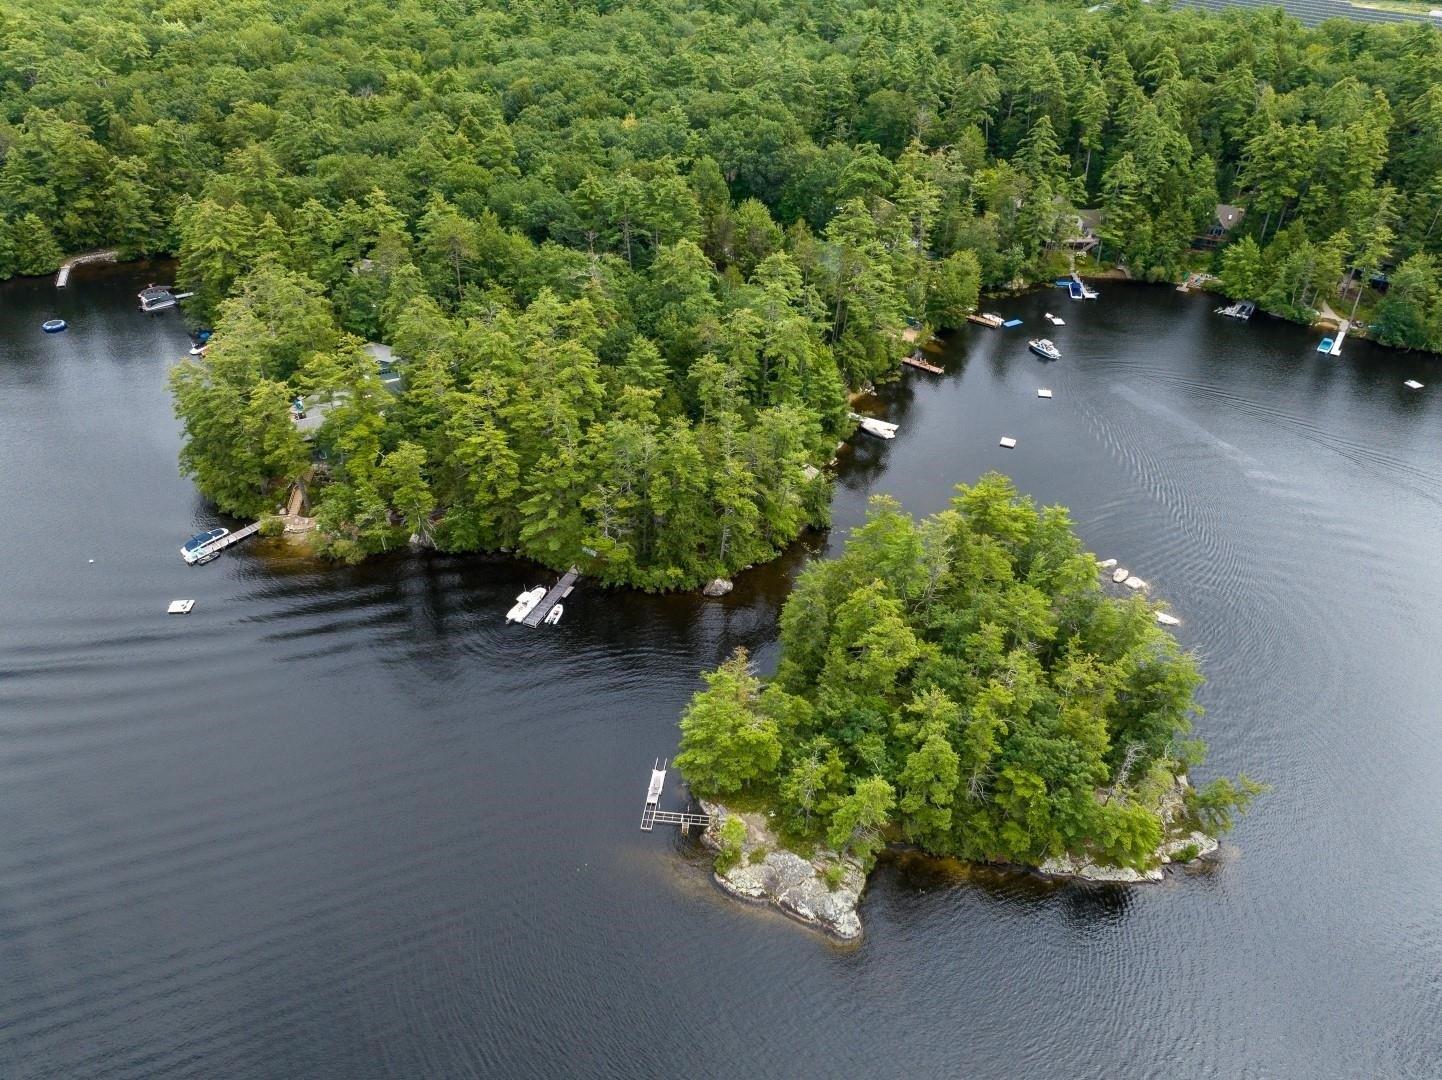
985 319
559 591
916 361
650 815
215 547
62 278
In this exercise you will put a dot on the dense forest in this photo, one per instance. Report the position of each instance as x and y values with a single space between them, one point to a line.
633 254
965 684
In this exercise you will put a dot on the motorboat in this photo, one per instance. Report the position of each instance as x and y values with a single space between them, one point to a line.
553 616
53 326
1242 309
524 603
1044 348
199 548
1120 574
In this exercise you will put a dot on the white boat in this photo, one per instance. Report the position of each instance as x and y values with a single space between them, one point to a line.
1044 348
1055 320
198 549
553 616
1043 392
1168 620
1008 442
1412 384
1120 574
1106 564
524 603
1134 582
880 428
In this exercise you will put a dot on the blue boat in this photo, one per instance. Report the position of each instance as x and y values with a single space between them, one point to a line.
1075 288
53 326
1325 346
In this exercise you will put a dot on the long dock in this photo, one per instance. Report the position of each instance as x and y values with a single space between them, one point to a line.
233 538
650 815
559 591
62 278
985 319
1336 349
916 361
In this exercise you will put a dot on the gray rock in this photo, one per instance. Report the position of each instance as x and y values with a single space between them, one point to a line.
718 587
788 881
1206 846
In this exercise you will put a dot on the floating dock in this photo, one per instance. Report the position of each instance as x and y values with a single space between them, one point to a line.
650 814
559 591
180 607
1336 349
985 318
917 361
62 277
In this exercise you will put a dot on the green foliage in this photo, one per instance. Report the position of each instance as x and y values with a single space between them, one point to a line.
1216 805
964 683
834 875
732 836
726 741
634 254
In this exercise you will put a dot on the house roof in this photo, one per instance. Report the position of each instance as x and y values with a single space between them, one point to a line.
1090 220
1229 217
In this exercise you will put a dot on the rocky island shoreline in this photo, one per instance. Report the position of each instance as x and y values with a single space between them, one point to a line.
822 890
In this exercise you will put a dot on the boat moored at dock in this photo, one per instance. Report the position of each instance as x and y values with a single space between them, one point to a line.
1242 309
524 603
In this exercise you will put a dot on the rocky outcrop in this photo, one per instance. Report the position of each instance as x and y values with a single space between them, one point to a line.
718 587
798 886
1182 845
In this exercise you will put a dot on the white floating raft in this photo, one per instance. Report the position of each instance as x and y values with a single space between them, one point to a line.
180 607
1134 582
872 426
1043 392
1412 384
1055 320
1168 620
1008 442
1120 574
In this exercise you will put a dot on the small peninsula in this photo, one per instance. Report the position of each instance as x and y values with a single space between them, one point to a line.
964 685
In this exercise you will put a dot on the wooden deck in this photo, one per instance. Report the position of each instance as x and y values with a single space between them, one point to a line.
916 361
559 591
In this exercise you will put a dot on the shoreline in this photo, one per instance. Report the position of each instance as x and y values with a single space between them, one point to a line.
823 891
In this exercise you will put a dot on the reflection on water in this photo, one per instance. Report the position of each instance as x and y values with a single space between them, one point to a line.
347 823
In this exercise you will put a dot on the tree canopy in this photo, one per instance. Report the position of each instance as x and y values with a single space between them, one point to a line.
964 683
634 253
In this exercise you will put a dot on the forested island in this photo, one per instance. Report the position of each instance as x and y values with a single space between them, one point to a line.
963 684
633 256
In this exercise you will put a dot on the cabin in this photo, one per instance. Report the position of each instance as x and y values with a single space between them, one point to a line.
1085 226
1225 219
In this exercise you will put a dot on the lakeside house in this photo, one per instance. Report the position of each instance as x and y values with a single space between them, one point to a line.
1086 226
309 413
1225 219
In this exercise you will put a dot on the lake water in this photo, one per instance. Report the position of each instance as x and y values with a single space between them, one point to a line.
346 823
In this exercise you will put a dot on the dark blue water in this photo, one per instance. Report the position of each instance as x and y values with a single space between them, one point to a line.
346 823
